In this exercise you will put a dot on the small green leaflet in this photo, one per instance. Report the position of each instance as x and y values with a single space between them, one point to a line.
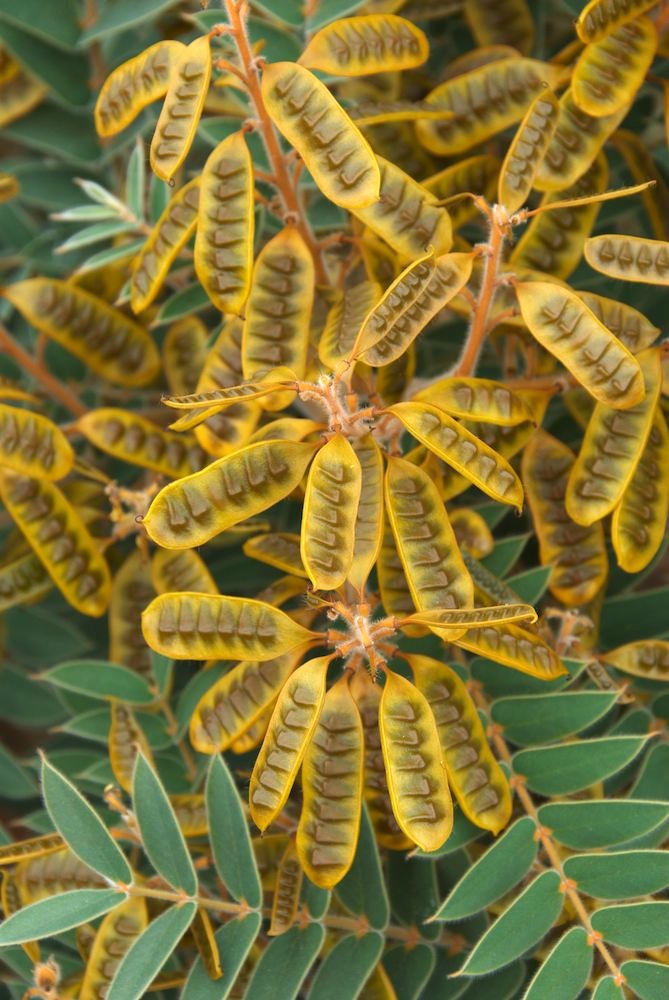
544 718
634 925
362 890
99 679
409 970
565 971
16 780
57 914
347 967
234 940
649 980
413 890
586 825
149 952
284 964
229 836
619 875
571 767
606 989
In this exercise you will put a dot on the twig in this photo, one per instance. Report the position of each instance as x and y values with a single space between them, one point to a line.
55 388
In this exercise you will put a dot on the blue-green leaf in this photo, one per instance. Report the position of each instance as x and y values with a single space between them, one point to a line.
362 890
121 15
347 967
57 914
285 963
606 989
234 941
571 767
16 781
65 73
585 825
649 980
409 969
531 584
619 875
634 925
135 180
57 24
565 971
149 952
99 679
544 718
229 836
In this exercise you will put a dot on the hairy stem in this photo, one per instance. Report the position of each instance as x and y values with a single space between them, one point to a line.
33 367
479 327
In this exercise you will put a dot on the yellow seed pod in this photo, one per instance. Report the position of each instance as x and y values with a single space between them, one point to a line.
639 520
334 150
255 734
179 570
527 150
332 782
187 88
191 813
32 847
414 764
291 728
192 510
268 851
599 17
476 399
51 874
168 237
117 932
207 626
133 85
224 240
371 43
513 646
287 429
375 112
647 658
202 405
472 532
493 22
610 71
576 553
467 454
60 539
287 887
205 942
641 165
479 784
629 258
126 738
612 447
564 325
133 439
344 319
368 530
329 514
475 175
184 354
393 303
19 94
449 621
131 591
33 445
405 215
278 548
107 341
395 594
393 380
12 391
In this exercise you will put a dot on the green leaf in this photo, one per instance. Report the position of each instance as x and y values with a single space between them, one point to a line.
649 980
57 24
288 11
25 703
362 890
149 952
531 585
620 875
161 835
545 718
121 15
585 825
315 899
505 555
464 832
16 781
634 925
629 617
86 213
570 767
229 836
347 967
652 780
65 73
606 989
502 683
189 300
99 679
94 234
494 874
38 637
284 964
278 43
81 828
414 893
409 970
565 971
326 11
135 180
109 256
57 914
522 925
234 940
504 985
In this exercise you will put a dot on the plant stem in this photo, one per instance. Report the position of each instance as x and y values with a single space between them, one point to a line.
479 327
55 388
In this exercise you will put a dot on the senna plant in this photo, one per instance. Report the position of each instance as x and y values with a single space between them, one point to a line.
334 471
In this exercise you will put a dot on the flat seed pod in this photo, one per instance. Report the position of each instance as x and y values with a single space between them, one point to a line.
187 88
641 165
60 539
493 22
599 17
379 112
191 814
479 784
252 737
476 399
18 95
107 341
205 942
278 548
405 216
278 312
117 932
395 594
184 353
371 43
192 510
206 627
393 380
610 71
576 553
472 532
393 303
179 570
287 886
414 764
51 874
170 234
214 400
334 150
287 429
629 258
475 175
648 658
450 620
126 738
484 101
329 514
369 520
133 85
461 449
131 591
291 728
564 325
344 320
527 150
612 447
32 444
224 240
32 847
639 520
133 439
513 646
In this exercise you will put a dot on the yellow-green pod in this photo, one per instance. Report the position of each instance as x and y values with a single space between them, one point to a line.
107 341
379 986
629 258
60 539
191 813
268 851
576 553
467 454
131 591
344 319
641 165
192 510
126 738
647 658
472 532
405 215
473 118
184 354
639 521
609 71
32 847
278 548
612 447
414 764
370 43
527 150
281 591
134 85
395 593
329 514
33 445
375 112
393 303
187 87
479 784
181 570
224 240
255 734
291 727
515 647
51 874
369 520
134 439
287 429
12 390
332 782
168 237
287 887
206 944
599 17
393 380
494 22
450 620
19 94
476 399
201 405
476 175
207 626
117 932
334 151
564 325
